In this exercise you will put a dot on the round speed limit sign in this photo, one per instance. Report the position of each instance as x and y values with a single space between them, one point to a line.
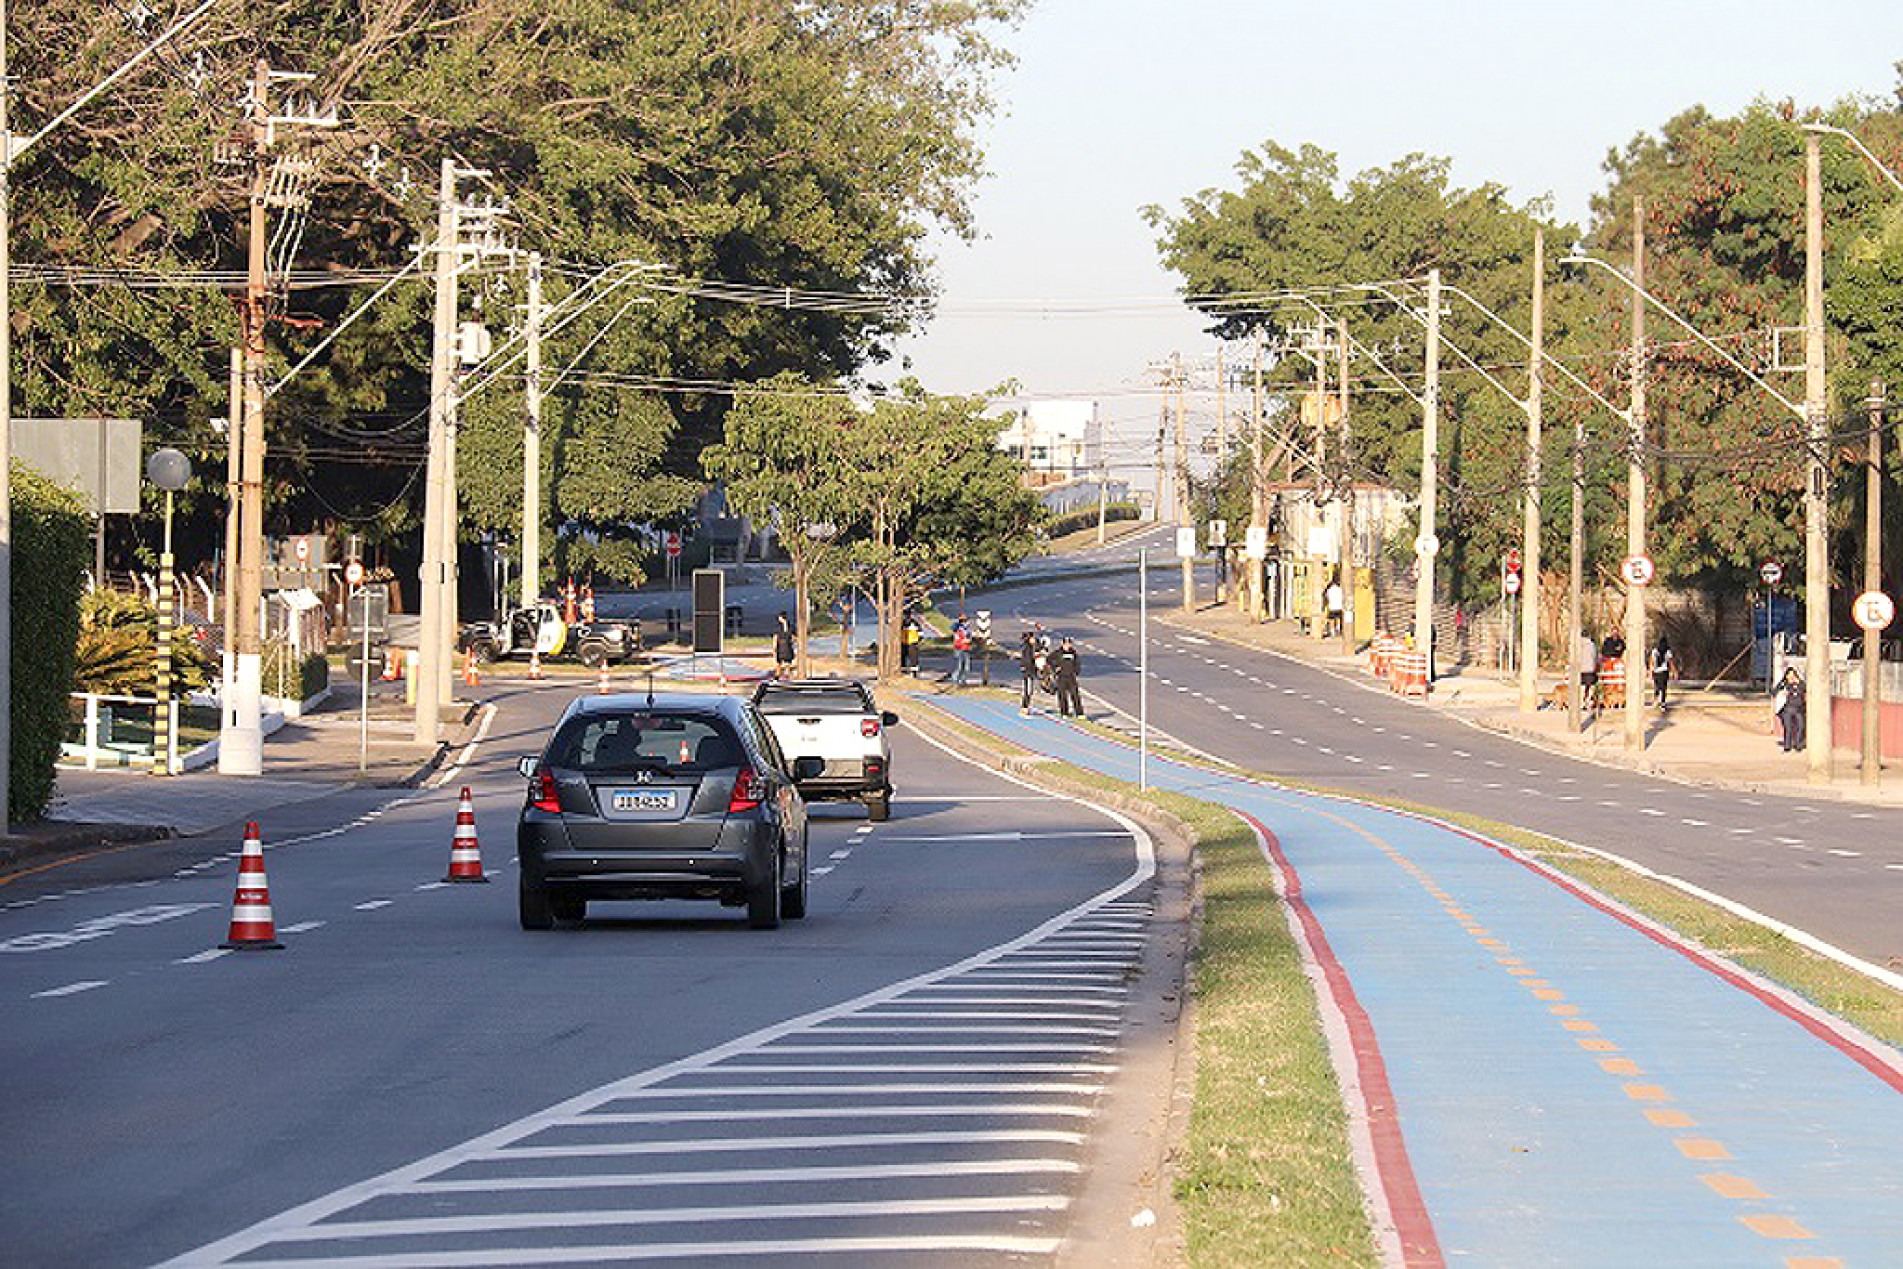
1770 572
1874 610
1512 583
353 572
1637 570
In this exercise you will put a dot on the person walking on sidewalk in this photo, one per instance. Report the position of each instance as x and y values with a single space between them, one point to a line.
1028 657
1788 704
783 649
961 652
1664 669
1066 665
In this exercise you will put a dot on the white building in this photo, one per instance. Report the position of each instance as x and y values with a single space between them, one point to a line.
1055 440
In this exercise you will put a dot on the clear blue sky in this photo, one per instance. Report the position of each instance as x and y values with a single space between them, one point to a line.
1115 104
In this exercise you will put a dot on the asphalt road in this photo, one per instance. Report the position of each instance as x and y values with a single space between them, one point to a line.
1831 869
917 1067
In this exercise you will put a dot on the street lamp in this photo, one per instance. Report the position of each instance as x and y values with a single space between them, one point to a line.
170 471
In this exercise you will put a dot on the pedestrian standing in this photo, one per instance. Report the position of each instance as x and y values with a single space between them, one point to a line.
783 649
1664 669
1066 666
961 652
1788 704
1332 601
1027 668
910 636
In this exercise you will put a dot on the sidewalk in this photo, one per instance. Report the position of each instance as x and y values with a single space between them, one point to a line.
307 758
1721 735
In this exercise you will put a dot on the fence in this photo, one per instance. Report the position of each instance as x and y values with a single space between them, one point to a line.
116 731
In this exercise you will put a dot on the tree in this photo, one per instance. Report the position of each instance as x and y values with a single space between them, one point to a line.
791 460
51 529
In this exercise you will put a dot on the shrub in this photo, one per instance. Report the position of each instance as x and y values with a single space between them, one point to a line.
51 540
1086 518
288 678
118 642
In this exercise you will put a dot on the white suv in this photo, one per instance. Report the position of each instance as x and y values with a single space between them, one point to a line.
836 721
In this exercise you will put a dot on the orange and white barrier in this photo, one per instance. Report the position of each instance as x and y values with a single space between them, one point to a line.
252 927
392 664
1612 682
1410 677
1381 654
465 852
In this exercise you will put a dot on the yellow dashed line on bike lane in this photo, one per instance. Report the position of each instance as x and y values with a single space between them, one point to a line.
1588 1038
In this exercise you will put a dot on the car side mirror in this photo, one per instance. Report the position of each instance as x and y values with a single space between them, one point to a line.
528 767
808 767
888 718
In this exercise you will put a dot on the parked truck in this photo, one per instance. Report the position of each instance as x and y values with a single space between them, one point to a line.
539 628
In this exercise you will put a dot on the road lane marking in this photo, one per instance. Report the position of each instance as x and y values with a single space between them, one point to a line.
70 989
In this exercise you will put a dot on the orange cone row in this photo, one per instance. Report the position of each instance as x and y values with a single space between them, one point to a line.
465 852
252 927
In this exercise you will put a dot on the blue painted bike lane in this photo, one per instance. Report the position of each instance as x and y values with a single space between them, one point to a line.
1551 1079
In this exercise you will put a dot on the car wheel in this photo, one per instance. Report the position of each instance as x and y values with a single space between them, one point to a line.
879 807
567 907
763 902
532 904
793 898
593 653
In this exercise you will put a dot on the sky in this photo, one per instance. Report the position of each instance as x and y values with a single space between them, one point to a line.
1117 104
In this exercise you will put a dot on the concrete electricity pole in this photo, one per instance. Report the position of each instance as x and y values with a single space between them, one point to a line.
1817 686
1258 488
532 440
1872 754
1530 534
438 571
1345 490
1635 501
1427 545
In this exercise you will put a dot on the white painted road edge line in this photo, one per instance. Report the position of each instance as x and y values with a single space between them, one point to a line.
469 750
289 1225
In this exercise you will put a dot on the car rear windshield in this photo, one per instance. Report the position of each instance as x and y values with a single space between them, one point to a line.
813 700
669 743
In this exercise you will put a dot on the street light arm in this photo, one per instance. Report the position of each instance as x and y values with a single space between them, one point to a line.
1546 358
1846 134
26 143
1697 334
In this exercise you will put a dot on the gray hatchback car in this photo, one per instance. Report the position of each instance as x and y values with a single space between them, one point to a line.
641 796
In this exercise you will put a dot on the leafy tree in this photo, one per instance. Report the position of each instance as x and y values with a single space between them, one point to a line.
51 531
791 460
790 147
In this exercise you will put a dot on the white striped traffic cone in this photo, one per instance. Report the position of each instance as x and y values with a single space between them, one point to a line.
535 665
601 679
465 852
252 928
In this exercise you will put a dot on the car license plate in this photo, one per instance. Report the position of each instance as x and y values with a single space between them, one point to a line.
644 799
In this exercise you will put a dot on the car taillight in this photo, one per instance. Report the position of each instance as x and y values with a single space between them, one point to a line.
868 727
546 798
748 791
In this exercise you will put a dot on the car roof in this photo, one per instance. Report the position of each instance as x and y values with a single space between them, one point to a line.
808 685
656 702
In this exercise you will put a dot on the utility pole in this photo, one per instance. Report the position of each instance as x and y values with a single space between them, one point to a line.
1427 545
1222 452
1635 501
6 436
1346 490
1258 489
1184 515
1576 582
532 440
1530 536
241 741
437 576
1319 348
1817 685
1872 753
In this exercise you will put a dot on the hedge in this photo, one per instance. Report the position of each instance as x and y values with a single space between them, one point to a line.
1086 518
52 541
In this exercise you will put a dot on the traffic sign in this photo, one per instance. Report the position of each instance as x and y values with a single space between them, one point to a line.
302 549
673 543
1512 559
1427 545
1256 542
1219 533
1637 570
353 572
1186 542
1770 572
1512 583
1873 610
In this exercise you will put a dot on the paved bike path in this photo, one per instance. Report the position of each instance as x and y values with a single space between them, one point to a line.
1569 1084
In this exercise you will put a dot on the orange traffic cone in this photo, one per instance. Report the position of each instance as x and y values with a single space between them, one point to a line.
471 677
252 928
601 679
535 665
465 852
392 665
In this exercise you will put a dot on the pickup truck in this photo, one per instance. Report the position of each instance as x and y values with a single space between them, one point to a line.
539 628
836 721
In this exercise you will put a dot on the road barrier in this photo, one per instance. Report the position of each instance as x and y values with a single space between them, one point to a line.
1410 677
